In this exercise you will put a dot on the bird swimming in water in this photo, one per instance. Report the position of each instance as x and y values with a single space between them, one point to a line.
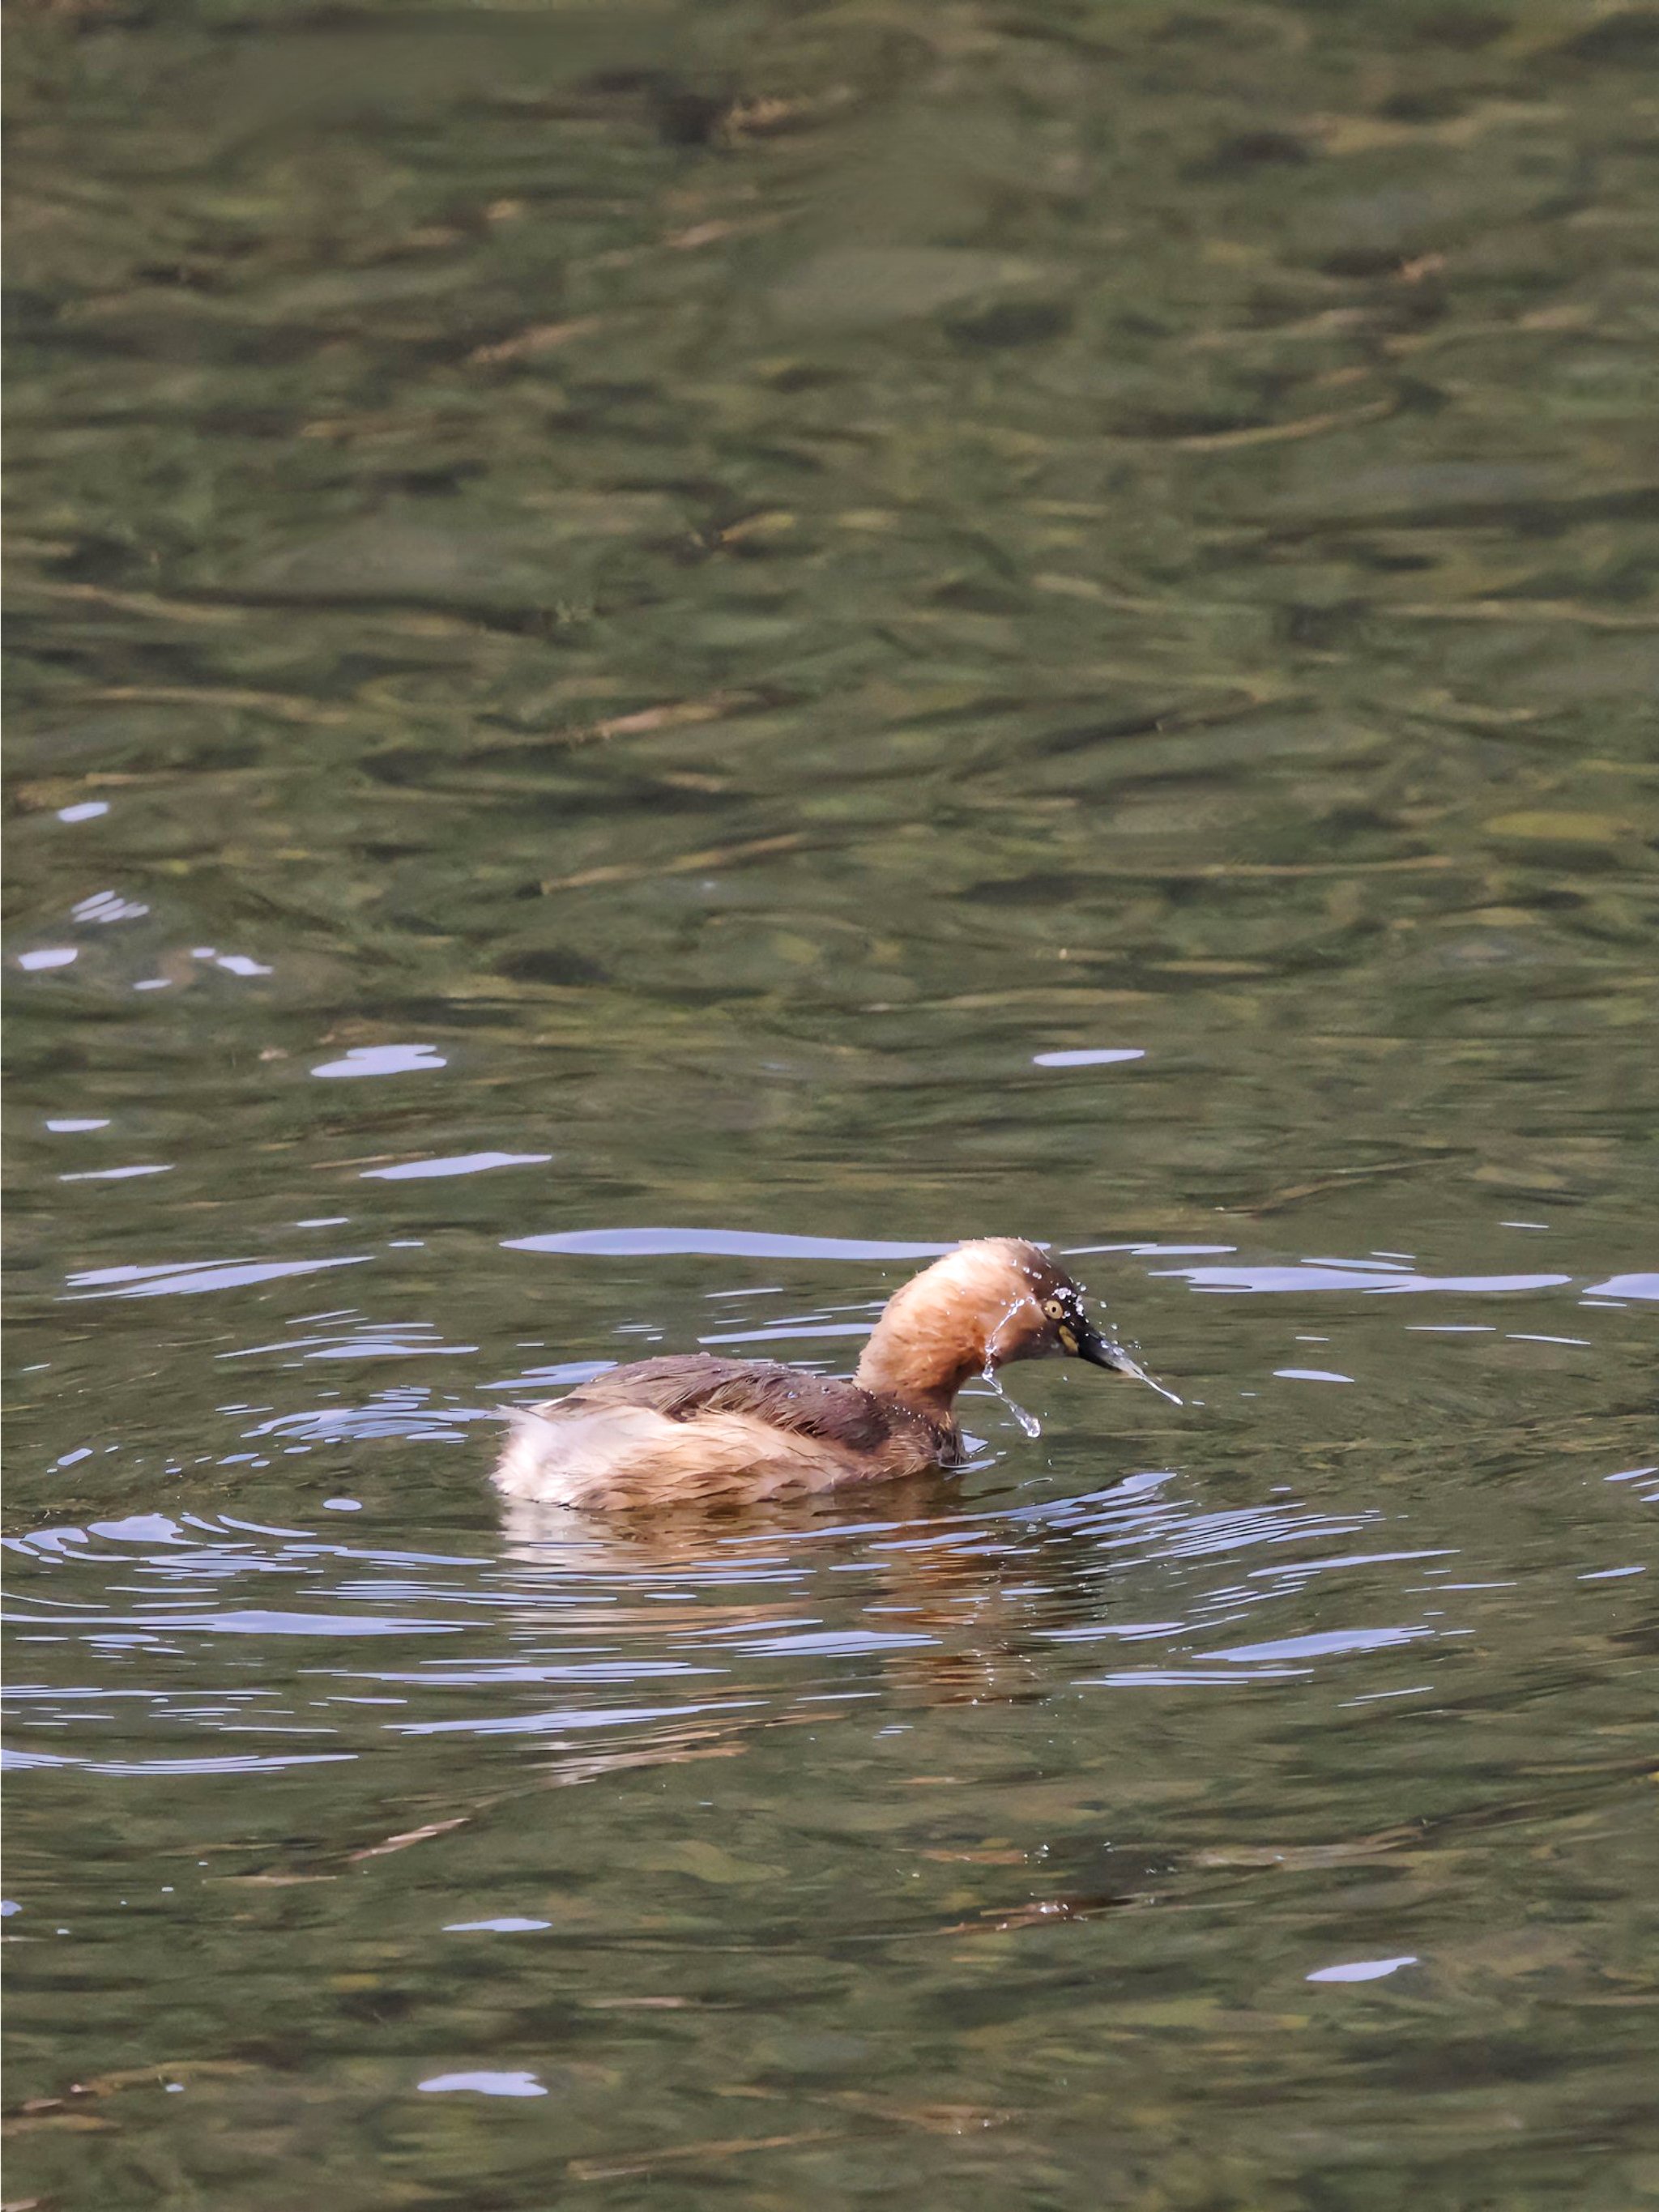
692 1428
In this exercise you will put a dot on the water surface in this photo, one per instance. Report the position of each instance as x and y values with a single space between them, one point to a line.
664 658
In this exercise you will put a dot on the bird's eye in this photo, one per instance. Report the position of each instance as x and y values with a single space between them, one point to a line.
1055 1308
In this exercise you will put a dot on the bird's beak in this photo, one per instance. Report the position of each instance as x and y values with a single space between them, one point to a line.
1099 1351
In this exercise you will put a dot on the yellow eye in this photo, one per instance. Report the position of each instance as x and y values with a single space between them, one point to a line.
1054 1308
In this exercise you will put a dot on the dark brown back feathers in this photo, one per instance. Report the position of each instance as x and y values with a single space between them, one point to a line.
685 1384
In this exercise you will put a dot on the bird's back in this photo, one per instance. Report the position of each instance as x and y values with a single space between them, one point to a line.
693 1426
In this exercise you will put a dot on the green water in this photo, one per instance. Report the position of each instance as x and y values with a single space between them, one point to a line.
623 621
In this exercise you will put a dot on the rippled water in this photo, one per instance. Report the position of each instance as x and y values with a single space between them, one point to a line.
663 659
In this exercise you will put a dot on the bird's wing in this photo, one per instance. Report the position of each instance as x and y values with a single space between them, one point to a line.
686 1384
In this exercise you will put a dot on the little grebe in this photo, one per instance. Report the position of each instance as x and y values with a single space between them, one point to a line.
693 1427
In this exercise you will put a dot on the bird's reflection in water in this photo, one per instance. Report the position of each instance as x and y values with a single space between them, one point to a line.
941 1599
938 1599
797 1613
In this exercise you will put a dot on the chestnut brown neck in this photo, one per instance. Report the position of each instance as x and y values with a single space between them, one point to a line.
923 1373
972 1308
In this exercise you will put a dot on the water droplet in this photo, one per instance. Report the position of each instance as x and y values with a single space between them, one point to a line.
1028 1423
1134 1368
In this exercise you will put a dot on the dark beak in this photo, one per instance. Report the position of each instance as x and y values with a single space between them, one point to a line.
1101 1352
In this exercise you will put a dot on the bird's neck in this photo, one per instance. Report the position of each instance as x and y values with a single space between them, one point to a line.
922 1357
